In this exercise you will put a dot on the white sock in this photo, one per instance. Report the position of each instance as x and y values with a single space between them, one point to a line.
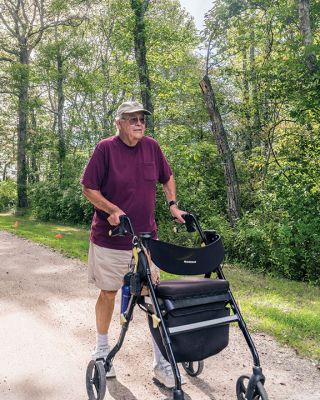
102 341
157 356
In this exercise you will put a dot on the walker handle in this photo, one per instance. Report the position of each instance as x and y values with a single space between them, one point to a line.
192 225
121 229
190 222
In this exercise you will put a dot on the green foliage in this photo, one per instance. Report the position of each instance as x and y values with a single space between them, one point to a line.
8 194
282 236
51 201
269 102
199 178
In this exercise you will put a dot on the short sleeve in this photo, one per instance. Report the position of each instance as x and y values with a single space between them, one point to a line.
96 169
164 168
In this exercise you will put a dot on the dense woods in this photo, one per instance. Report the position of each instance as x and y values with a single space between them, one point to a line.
236 111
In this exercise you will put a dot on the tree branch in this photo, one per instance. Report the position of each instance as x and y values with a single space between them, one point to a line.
66 22
25 16
6 59
9 29
4 48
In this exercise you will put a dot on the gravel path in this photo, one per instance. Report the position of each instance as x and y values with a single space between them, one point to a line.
47 335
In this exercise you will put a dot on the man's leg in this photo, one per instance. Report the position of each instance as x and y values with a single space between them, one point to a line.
104 311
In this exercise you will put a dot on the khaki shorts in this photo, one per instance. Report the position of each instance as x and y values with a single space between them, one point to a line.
106 267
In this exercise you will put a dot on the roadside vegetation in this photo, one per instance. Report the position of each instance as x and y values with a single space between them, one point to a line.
287 310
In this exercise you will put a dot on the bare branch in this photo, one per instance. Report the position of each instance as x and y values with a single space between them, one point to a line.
9 51
32 20
67 22
49 109
208 55
14 12
25 16
6 59
5 23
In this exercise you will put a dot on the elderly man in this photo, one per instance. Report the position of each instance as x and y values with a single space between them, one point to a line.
121 178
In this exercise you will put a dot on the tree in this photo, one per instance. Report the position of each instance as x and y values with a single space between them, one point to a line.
225 153
139 8
306 34
24 25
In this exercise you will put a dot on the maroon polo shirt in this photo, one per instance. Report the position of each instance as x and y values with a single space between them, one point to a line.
126 176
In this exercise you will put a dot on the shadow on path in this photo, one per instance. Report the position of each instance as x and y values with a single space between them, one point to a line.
118 391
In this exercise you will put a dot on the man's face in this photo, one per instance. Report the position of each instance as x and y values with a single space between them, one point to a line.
131 128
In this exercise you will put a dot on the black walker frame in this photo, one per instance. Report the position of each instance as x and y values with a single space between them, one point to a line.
247 387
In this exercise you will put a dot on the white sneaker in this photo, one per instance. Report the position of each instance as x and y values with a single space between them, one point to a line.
163 373
103 354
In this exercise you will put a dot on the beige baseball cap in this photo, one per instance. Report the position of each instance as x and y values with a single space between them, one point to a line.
131 107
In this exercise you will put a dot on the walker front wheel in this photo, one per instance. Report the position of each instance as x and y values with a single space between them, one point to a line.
193 368
96 380
242 386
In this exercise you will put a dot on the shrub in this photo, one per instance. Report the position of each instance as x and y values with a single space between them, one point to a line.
74 207
8 194
282 237
200 190
52 201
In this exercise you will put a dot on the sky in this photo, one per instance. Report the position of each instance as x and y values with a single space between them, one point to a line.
197 8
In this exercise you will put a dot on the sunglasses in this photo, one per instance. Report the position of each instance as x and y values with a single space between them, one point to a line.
135 120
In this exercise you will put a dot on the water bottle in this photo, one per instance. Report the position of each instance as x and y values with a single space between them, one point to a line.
125 293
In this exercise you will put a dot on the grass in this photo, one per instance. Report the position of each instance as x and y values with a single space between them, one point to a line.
287 310
73 243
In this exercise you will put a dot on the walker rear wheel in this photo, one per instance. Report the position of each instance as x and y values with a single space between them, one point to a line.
96 380
241 389
193 368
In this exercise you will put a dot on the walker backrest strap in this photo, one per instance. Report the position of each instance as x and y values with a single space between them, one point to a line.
187 260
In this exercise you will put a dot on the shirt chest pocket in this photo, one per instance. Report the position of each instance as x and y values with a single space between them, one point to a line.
149 171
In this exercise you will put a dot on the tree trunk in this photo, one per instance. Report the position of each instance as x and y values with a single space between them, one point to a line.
60 96
256 123
4 172
34 172
22 127
233 195
246 102
139 8
306 34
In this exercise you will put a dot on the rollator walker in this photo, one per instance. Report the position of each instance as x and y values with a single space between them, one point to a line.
189 317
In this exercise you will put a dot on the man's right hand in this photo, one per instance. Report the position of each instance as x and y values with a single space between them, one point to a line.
113 218
100 202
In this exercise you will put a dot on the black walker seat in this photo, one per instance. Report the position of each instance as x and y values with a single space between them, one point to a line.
189 317
195 313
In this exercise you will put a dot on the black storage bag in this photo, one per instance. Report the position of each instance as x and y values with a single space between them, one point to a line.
206 341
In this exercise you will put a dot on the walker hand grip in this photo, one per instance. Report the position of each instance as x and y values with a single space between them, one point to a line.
124 227
120 230
190 222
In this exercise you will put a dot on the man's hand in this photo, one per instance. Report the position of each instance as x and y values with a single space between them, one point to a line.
100 202
113 218
177 214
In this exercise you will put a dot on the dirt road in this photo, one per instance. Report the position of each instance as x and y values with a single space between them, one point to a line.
47 335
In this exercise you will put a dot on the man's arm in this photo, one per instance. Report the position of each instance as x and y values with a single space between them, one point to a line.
169 189
95 197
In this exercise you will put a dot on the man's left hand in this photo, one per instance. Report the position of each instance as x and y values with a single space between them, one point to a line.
178 214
